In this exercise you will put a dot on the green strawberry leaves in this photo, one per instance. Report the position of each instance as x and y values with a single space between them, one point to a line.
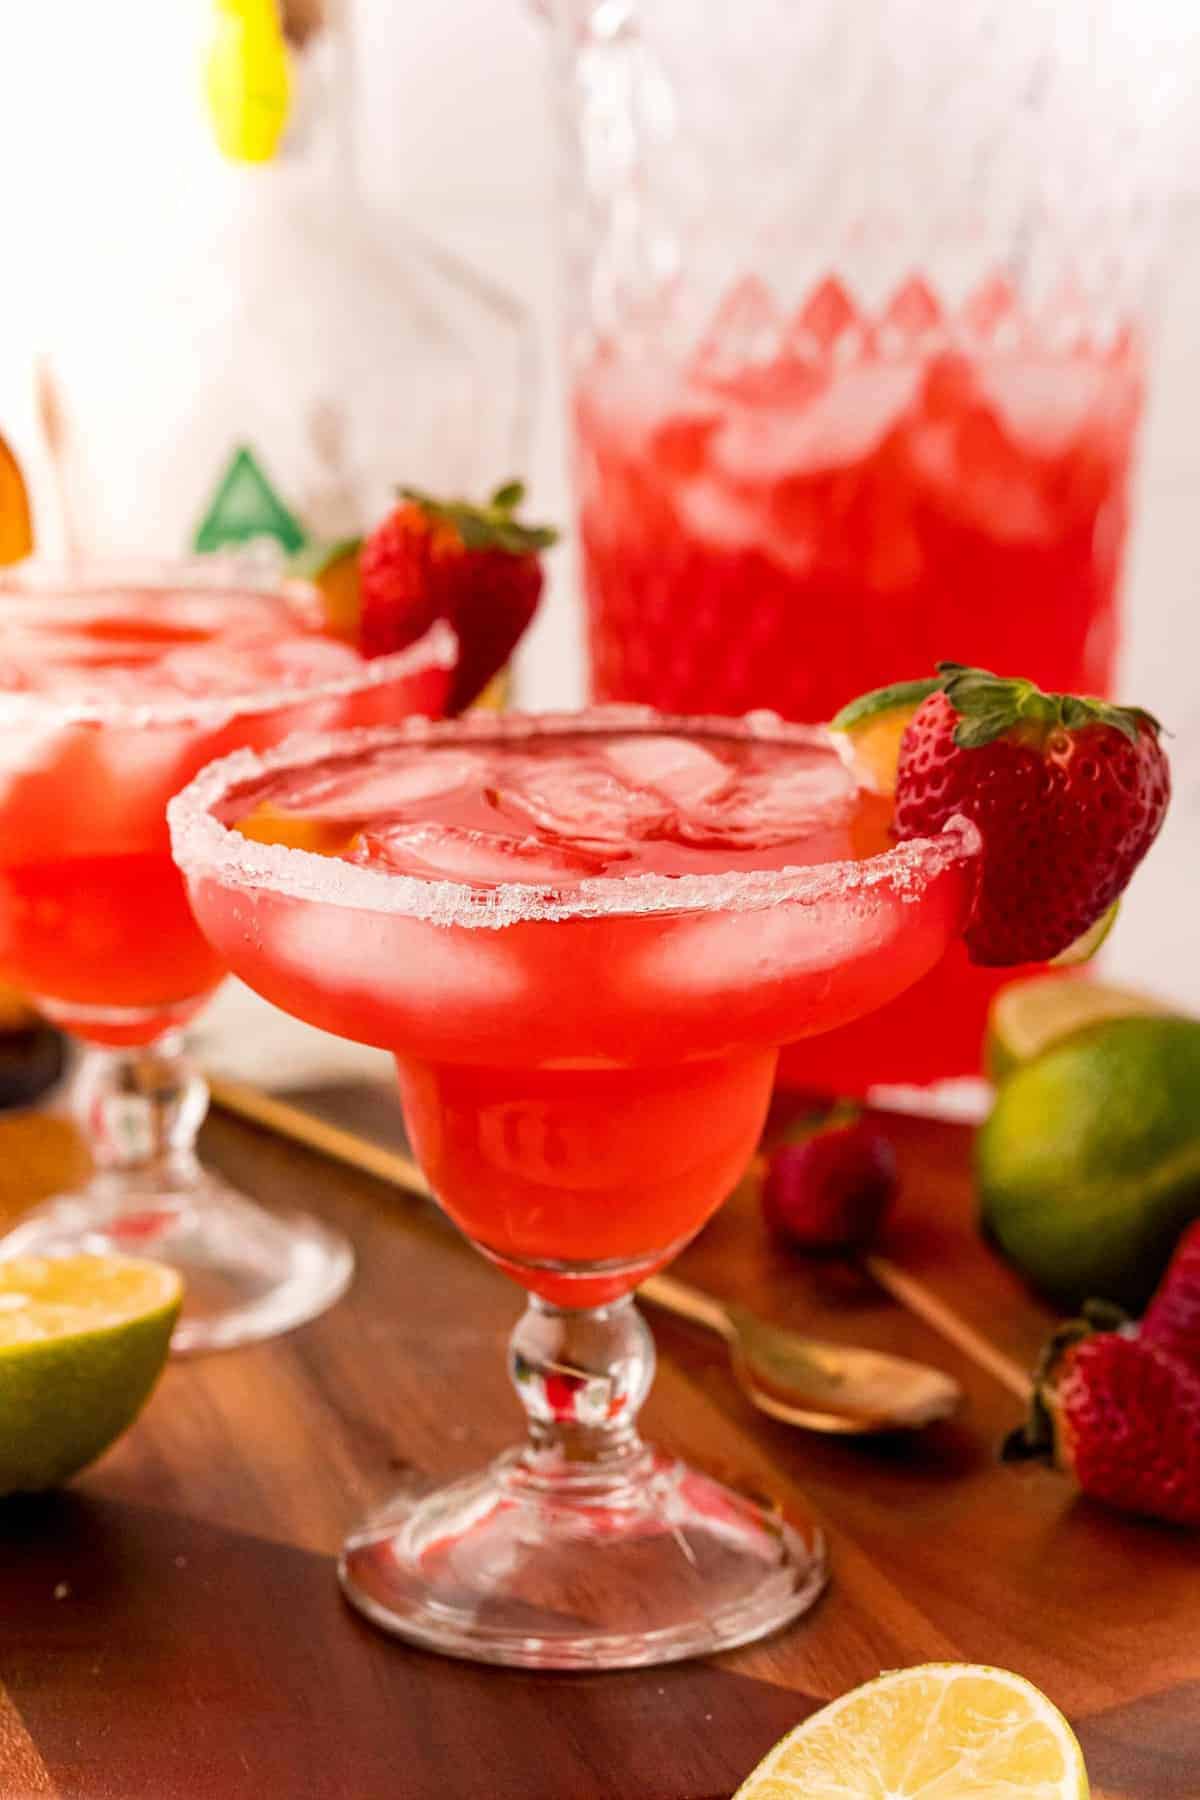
493 526
1036 1436
989 705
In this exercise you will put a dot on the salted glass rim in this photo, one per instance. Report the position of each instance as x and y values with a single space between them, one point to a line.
436 649
204 848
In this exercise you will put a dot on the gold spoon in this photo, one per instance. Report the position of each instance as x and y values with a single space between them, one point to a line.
818 1386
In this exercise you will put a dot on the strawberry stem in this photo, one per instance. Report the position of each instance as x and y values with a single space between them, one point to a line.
1035 1438
989 705
493 526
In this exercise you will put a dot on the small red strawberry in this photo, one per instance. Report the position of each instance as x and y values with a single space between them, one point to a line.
1172 1319
1068 795
1122 1416
476 566
827 1191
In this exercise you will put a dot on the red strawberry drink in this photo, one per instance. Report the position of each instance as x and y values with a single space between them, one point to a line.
114 689
784 530
789 534
584 937
111 697
574 924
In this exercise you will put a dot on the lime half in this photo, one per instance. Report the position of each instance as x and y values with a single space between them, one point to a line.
1026 1017
1088 943
872 727
955 1730
83 1340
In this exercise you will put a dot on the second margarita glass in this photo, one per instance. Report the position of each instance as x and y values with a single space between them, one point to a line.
116 685
584 938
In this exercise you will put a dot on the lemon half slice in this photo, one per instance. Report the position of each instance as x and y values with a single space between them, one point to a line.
942 1731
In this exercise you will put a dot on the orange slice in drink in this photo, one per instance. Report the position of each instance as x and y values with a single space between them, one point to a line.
269 824
16 522
333 571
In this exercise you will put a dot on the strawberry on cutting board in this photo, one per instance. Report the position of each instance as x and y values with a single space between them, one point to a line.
1172 1319
1117 1405
1067 793
1121 1415
829 1185
478 567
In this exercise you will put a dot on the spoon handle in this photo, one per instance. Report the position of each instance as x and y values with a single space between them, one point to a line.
687 1303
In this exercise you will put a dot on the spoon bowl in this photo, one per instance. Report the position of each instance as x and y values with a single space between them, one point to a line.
835 1388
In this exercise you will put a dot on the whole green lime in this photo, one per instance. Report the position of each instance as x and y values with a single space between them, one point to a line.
1089 1166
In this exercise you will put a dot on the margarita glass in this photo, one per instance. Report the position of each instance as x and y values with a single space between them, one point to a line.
116 685
584 938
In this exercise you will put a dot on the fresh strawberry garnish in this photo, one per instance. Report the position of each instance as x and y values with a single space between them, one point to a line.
1120 1414
476 566
1172 1319
1068 795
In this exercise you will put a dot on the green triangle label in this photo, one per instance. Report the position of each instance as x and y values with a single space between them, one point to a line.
245 506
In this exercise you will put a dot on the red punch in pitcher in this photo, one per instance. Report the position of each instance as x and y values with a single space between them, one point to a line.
857 367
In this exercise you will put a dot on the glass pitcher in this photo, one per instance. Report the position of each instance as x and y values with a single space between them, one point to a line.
856 324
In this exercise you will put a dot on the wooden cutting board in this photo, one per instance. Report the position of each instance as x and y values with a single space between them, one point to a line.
170 1626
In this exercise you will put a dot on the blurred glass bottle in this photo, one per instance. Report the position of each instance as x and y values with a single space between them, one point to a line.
225 348
856 327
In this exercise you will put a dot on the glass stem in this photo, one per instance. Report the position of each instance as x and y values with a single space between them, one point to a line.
140 1109
582 1375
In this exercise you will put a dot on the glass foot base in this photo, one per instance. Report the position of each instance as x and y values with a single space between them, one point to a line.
248 1274
508 1566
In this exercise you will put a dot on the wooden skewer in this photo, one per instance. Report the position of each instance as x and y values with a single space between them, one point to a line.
946 1322
317 1134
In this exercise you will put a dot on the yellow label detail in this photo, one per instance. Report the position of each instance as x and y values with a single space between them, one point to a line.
247 79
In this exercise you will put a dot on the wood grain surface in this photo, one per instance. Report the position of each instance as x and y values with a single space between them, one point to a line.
170 1626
